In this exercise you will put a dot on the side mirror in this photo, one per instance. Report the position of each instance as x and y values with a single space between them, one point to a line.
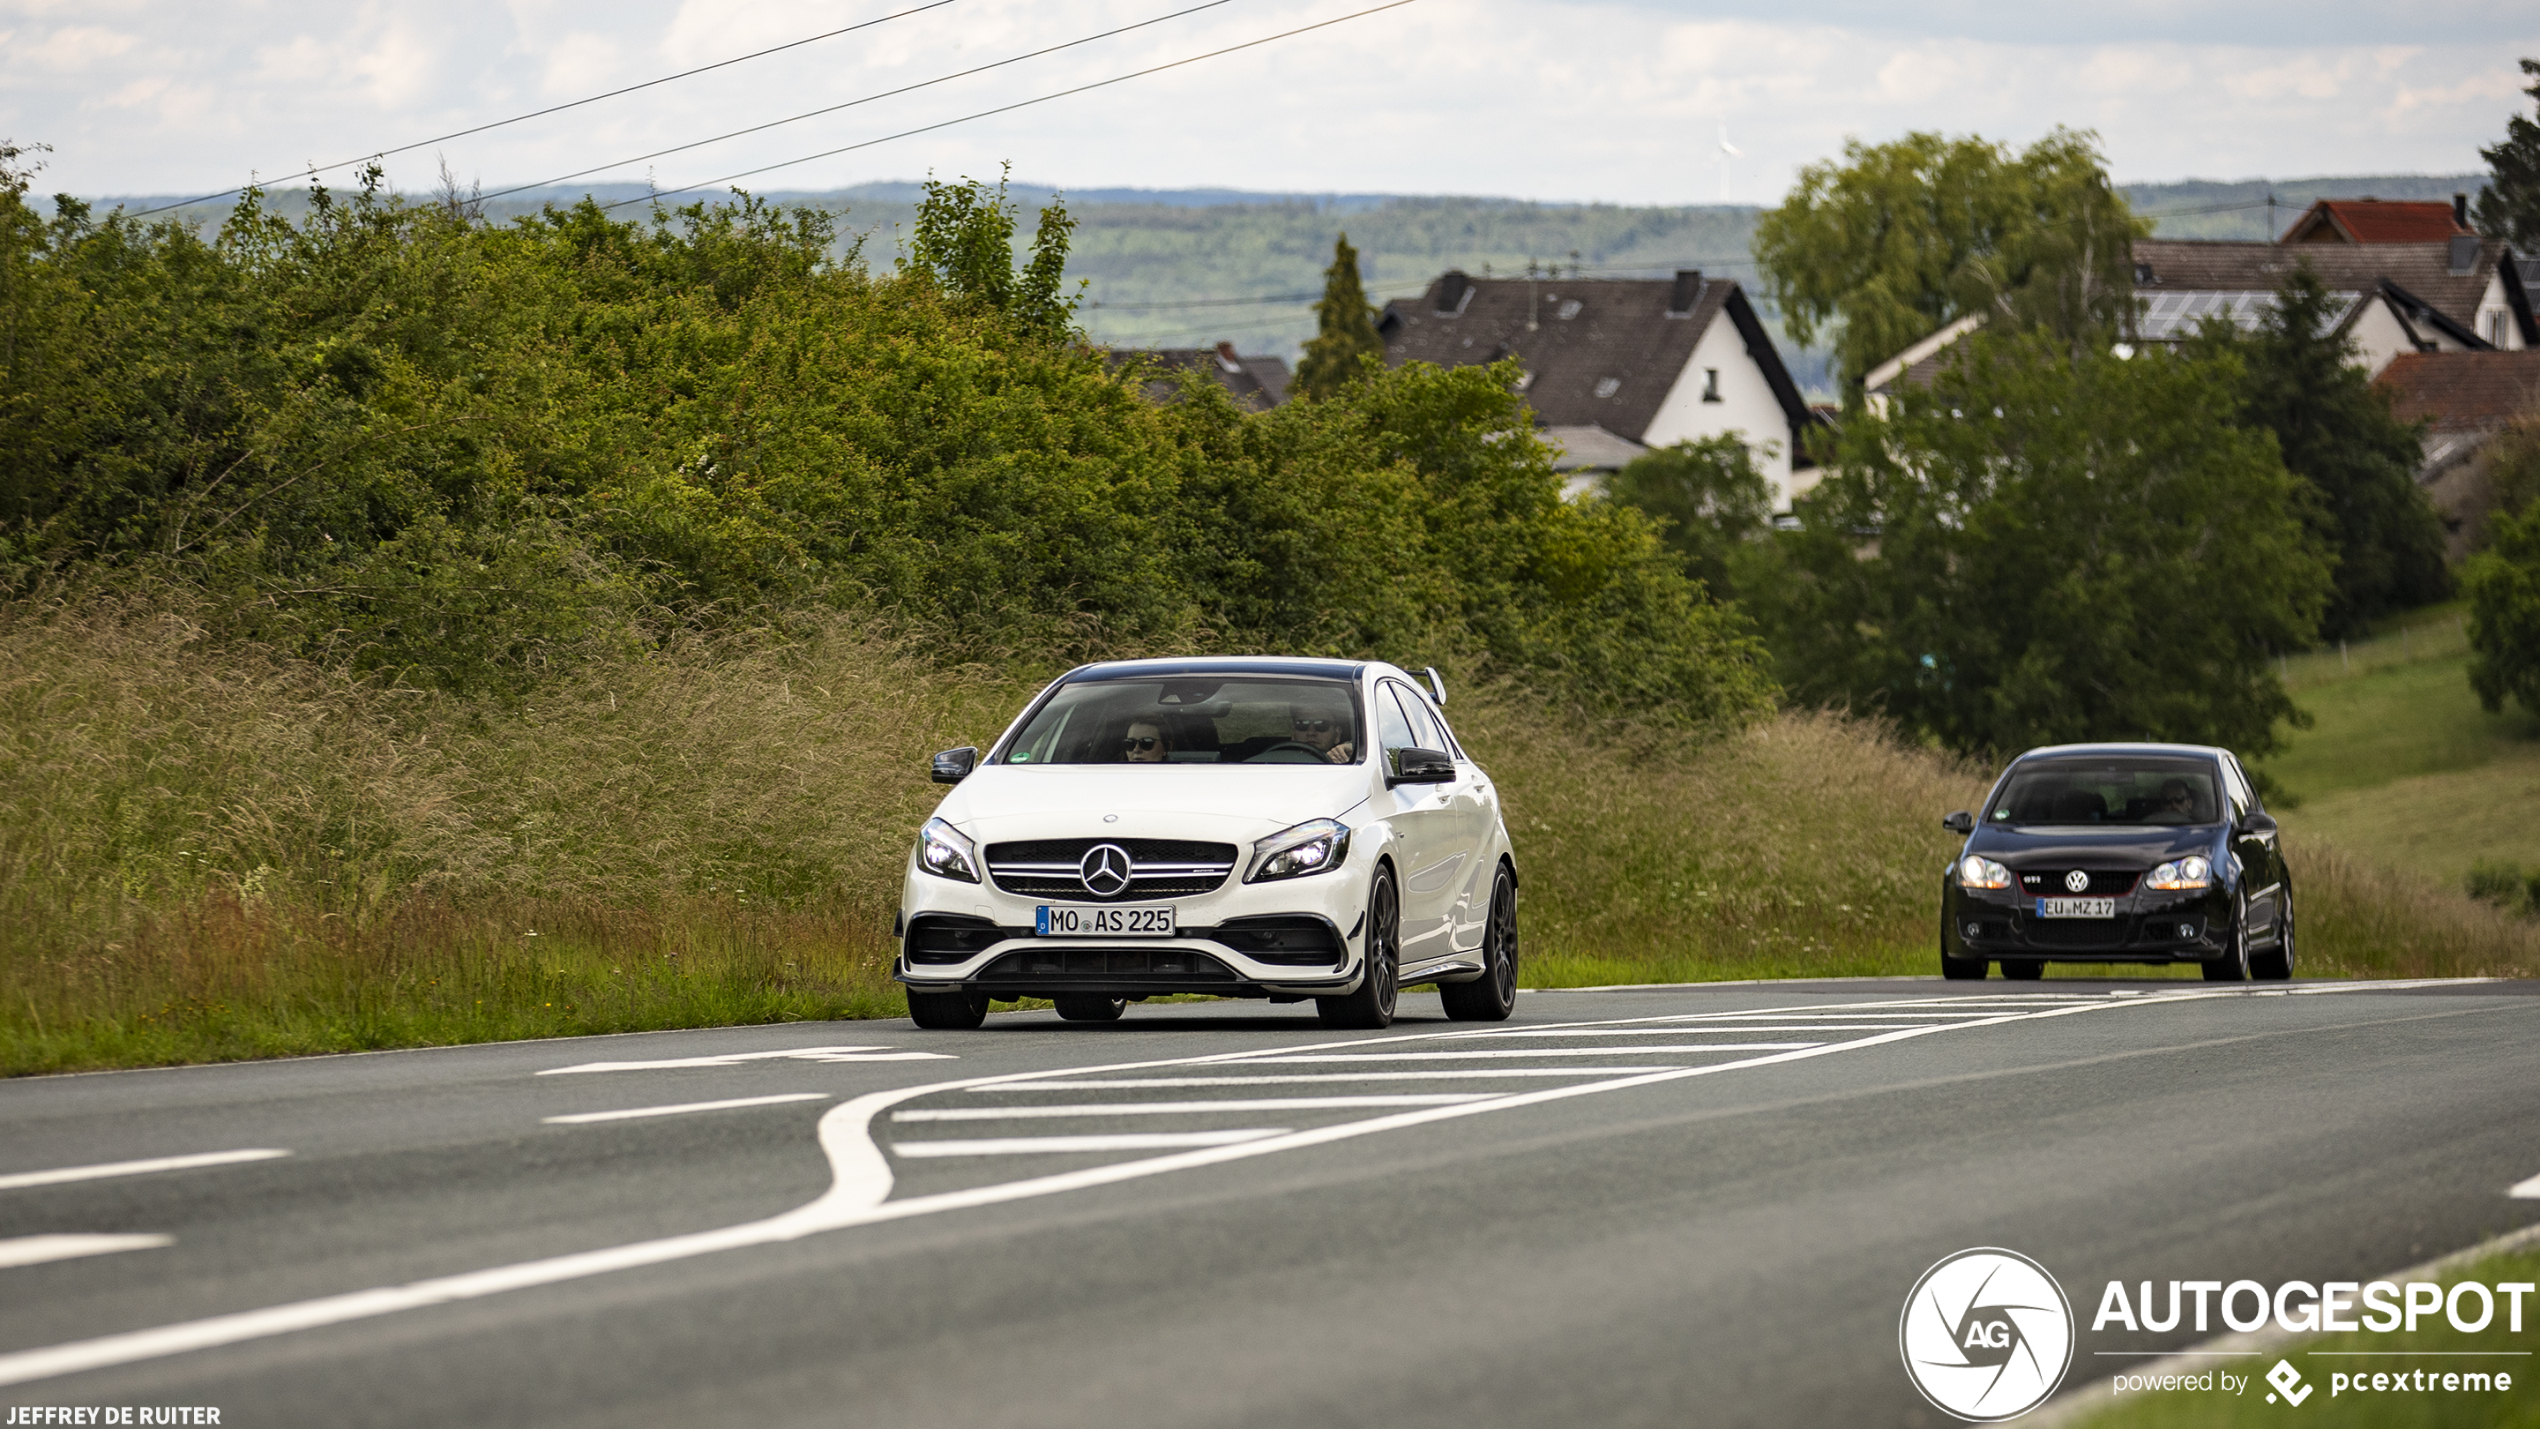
2257 821
1421 766
1960 822
954 765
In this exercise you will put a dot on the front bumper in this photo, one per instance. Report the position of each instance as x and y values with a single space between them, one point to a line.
1299 937
2191 926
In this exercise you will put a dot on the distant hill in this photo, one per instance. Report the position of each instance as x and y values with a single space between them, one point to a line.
1192 267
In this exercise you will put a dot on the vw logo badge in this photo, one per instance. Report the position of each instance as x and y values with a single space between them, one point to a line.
2077 880
1105 870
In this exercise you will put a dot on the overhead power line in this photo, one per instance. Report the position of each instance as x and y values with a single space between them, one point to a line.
1018 104
852 103
573 104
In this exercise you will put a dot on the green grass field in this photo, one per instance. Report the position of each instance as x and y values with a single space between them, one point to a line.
2402 766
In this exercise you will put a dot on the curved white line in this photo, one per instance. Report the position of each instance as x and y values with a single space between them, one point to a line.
858 1194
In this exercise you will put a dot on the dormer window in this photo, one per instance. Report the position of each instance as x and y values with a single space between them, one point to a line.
2142 275
1608 386
1569 309
1711 385
1525 380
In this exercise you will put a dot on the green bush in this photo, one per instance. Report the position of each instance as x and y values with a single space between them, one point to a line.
468 457
2504 612
2046 547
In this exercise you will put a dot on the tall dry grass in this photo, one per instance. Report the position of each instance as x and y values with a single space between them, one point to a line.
214 852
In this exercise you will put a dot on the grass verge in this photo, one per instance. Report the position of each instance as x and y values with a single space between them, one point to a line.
213 854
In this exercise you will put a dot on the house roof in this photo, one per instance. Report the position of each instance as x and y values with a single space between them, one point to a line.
2372 220
1602 352
2463 391
1589 448
2422 274
1257 383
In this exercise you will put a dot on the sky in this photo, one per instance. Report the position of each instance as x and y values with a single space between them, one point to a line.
1555 100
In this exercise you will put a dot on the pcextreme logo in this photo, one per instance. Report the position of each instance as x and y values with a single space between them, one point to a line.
1987 1335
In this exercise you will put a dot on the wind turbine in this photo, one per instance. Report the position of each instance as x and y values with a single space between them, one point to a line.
1728 151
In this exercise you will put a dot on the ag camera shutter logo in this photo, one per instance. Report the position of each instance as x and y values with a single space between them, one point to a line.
1986 1335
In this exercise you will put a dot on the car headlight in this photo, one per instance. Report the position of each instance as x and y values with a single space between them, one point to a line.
2193 872
1974 872
943 852
1315 846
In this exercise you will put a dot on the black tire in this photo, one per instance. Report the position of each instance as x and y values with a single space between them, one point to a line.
1089 1007
1371 1006
948 1011
2276 963
1493 995
2027 970
2233 965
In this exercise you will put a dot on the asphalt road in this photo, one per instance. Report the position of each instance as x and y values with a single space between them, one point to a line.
1666 1207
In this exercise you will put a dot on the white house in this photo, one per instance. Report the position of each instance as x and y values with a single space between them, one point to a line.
1617 365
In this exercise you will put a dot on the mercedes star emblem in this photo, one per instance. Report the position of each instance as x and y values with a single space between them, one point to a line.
2077 880
1105 870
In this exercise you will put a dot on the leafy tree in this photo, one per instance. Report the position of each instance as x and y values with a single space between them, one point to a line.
1345 329
2504 613
1708 498
2336 431
2509 207
2043 547
2513 475
1902 239
964 239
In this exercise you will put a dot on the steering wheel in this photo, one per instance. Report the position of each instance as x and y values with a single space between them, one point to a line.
1319 756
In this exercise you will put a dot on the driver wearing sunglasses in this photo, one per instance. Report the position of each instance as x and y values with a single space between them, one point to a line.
1145 744
1324 728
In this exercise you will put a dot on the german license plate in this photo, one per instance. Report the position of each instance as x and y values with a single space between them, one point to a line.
1059 920
2076 908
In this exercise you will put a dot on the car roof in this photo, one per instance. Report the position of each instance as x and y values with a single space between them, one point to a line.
2057 751
1220 665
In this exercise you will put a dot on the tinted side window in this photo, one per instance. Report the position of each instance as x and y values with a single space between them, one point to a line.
1424 729
1391 727
2237 787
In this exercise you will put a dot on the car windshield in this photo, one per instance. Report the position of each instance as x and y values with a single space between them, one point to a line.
2125 789
1193 720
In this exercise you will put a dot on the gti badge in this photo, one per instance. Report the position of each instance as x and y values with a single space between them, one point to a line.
2077 880
1105 870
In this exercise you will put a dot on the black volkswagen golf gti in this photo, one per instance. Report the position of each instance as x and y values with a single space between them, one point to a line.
2134 853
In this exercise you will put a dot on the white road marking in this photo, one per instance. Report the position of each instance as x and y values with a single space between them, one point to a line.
1003 1113
25 1179
1667 1031
1322 1059
734 1059
2526 1190
859 1190
586 1117
38 1249
1295 1078
1047 1145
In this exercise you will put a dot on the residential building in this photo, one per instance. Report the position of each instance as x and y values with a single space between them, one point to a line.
2465 399
2372 220
1612 366
1256 383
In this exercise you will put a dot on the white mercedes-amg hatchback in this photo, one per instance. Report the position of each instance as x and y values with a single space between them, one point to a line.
1275 828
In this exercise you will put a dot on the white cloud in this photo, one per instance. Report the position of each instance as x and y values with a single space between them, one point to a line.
1553 99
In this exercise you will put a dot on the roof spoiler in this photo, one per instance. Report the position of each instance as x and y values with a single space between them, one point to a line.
1437 687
